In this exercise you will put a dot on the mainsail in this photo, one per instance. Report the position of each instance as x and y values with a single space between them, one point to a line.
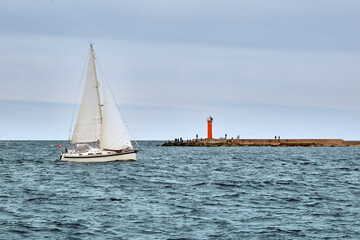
88 125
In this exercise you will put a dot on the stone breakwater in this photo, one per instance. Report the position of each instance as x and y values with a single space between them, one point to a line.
264 142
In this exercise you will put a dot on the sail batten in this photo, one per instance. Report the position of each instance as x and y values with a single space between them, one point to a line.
88 124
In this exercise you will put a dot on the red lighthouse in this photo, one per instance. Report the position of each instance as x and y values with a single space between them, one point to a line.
209 124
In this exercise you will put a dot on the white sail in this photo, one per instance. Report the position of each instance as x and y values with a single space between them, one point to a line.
88 125
114 135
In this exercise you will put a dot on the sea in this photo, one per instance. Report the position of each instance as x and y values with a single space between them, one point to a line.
181 193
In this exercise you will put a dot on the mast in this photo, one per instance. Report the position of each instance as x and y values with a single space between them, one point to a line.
89 121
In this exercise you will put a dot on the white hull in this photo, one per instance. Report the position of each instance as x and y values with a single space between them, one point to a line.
71 157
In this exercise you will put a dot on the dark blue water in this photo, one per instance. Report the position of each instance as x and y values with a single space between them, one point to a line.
181 193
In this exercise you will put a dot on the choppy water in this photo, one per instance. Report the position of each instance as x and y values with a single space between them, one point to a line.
181 193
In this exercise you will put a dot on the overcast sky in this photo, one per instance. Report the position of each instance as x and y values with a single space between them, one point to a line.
260 67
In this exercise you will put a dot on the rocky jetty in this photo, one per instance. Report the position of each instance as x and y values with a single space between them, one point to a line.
210 142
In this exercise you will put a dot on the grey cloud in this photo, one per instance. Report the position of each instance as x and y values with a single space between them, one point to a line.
304 24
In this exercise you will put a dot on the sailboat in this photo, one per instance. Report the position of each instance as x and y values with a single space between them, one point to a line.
100 134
